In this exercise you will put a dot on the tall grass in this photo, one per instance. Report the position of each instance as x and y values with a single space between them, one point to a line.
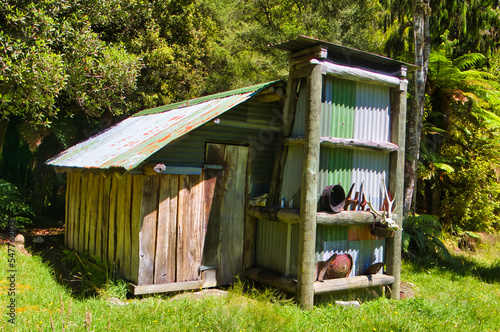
446 299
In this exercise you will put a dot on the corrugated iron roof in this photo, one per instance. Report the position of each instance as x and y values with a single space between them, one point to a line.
341 53
134 139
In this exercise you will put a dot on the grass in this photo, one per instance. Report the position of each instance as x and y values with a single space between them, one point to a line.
463 294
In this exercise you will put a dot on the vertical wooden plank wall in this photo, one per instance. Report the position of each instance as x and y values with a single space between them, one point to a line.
150 228
127 233
81 224
111 235
135 226
93 214
189 227
66 208
88 213
147 234
232 224
123 227
98 227
105 218
120 223
98 217
166 244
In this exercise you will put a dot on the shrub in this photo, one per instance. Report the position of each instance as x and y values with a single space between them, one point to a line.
13 206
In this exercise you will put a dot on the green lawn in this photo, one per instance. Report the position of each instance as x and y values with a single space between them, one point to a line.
463 296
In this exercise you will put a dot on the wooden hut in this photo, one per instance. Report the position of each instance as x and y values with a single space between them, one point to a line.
163 194
193 194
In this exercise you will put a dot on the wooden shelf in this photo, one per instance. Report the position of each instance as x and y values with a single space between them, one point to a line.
350 143
320 287
292 216
342 284
289 216
269 278
346 218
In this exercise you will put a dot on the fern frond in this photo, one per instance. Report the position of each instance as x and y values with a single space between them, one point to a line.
423 231
473 73
444 167
471 60
490 117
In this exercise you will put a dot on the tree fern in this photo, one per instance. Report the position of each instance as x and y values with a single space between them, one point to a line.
471 60
421 237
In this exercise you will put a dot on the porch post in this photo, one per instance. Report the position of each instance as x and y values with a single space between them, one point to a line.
309 196
398 130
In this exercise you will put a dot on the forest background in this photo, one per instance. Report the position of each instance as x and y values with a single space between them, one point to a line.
69 69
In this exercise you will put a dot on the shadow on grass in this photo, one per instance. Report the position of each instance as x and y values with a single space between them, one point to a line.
82 275
87 277
460 266
464 266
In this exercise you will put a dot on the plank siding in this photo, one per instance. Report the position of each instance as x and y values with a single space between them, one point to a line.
154 229
166 244
135 226
233 216
76 210
147 234
197 226
112 221
70 220
120 223
81 220
98 227
88 212
75 187
213 205
105 217
67 209
127 240
93 213
189 230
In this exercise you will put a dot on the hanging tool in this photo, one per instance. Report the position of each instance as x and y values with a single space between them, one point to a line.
360 196
348 198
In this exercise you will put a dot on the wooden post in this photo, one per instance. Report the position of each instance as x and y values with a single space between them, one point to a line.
396 183
250 227
281 150
309 198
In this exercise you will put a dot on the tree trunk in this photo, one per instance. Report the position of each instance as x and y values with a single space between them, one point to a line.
4 123
421 13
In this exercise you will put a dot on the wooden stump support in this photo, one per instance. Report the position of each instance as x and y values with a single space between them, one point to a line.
310 170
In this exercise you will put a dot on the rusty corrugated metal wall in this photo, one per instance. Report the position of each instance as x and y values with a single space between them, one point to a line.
349 110
277 243
338 104
277 247
361 111
364 248
271 245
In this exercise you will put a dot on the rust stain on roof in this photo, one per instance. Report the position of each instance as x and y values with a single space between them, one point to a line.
134 139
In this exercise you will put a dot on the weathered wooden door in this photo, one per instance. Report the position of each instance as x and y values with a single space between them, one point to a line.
226 190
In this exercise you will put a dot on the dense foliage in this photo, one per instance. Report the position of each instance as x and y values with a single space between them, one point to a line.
460 165
72 68
14 211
